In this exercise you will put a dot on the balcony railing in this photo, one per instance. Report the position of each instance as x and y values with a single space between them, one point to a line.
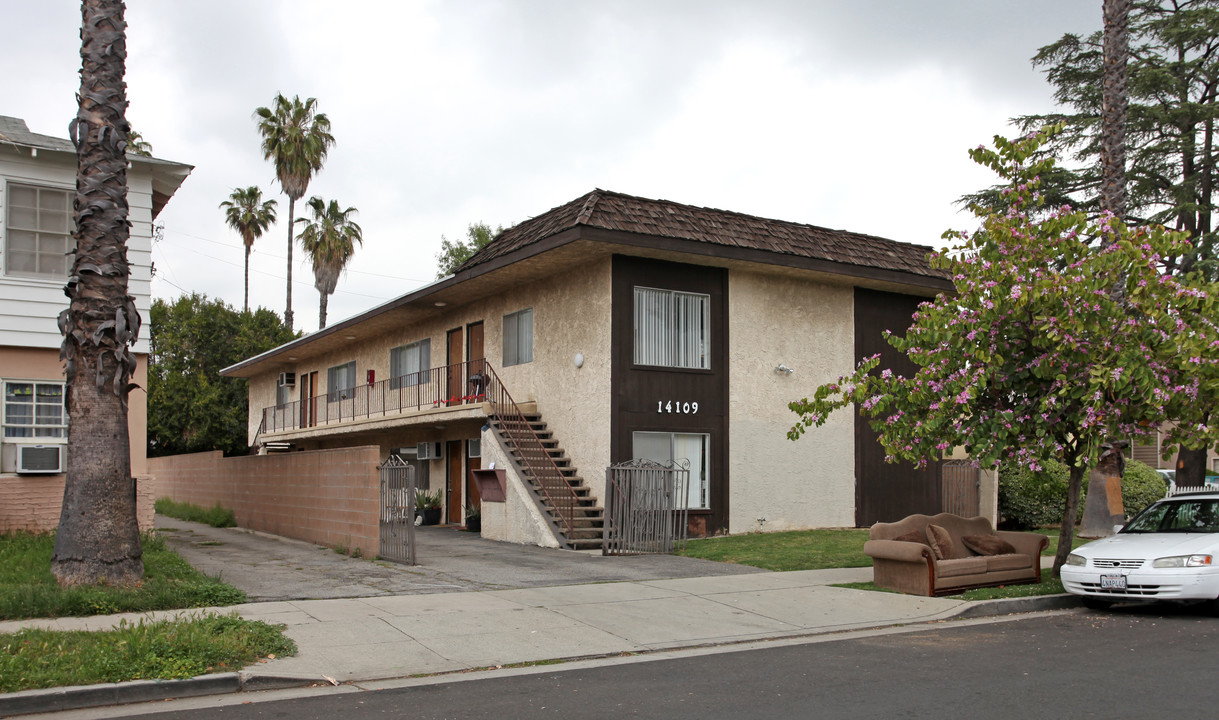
466 383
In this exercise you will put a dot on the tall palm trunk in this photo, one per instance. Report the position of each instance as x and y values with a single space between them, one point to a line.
321 317
291 226
245 303
98 538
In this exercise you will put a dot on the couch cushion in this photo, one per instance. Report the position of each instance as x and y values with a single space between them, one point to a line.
916 536
961 566
996 563
940 542
988 544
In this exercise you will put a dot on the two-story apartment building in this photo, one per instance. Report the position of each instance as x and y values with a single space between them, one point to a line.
623 328
37 187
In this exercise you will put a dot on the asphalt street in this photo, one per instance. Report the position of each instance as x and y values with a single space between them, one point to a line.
1132 663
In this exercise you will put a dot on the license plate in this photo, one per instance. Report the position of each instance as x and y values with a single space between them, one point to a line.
1112 582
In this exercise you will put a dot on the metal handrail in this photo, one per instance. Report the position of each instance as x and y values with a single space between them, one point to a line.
444 386
533 456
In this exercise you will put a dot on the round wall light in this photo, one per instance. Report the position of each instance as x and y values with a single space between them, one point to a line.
579 360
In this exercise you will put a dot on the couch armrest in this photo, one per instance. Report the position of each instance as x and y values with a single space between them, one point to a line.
898 550
1026 543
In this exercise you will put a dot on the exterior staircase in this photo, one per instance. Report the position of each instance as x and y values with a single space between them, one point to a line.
586 517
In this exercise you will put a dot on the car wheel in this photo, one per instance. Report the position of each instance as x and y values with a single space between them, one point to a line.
1212 607
1097 604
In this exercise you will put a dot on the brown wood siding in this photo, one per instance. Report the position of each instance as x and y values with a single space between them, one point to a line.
638 389
887 492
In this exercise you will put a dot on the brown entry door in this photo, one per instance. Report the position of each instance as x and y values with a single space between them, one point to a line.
478 370
453 459
308 384
456 379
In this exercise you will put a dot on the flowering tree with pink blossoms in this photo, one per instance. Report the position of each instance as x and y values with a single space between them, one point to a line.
1032 358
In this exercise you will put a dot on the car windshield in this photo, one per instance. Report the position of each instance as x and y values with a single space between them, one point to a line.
1177 516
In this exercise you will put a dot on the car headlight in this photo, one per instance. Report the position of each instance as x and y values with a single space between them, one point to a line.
1183 561
1076 560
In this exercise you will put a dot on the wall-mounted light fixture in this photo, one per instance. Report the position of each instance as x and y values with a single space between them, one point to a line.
579 360
783 369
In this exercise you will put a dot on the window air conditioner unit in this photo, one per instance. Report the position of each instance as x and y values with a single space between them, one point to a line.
429 451
40 459
287 379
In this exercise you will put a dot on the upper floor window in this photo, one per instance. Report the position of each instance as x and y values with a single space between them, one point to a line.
409 364
672 329
34 410
518 337
341 381
38 231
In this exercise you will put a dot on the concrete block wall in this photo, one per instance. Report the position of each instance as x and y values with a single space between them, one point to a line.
31 503
327 497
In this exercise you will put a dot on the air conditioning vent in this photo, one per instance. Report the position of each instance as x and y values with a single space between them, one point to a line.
40 459
287 379
429 451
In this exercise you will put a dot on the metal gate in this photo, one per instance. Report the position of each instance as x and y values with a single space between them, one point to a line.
645 507
397 511
959 481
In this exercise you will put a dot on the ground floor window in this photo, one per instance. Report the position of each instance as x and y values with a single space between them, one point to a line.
694 448
34 410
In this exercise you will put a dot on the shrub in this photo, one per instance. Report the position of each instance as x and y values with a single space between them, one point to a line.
1030 499
216 516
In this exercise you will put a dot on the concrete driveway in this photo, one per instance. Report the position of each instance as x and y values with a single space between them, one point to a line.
268 567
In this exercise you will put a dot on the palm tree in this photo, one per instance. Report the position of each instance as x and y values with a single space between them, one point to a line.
247 213
137 145
296 138
328 240
99 538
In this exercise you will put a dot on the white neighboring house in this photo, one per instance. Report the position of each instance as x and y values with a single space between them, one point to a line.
37 186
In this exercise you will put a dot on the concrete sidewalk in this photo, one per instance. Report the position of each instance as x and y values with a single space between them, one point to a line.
377 638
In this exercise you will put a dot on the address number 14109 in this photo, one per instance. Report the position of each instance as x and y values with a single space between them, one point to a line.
683 408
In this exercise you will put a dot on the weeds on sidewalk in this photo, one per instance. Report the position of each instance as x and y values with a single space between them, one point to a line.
215 516
28 590
162 650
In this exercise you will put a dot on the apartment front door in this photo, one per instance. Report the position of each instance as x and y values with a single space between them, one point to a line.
454 455
456 380
309 399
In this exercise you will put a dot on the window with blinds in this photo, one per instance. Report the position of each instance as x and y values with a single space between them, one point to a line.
672 329
409 364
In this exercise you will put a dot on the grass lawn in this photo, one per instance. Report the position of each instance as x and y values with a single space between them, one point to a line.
794 550
164 650
28 590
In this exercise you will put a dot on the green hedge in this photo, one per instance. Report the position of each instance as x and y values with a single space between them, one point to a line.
1030 499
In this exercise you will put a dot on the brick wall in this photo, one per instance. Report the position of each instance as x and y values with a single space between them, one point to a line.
327 497
30 503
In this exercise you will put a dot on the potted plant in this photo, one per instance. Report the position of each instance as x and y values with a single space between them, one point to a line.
427 505
474 518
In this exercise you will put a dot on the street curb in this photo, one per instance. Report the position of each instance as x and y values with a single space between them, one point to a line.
1008 606
137 691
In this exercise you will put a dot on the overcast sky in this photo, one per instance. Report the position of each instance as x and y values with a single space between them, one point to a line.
851 114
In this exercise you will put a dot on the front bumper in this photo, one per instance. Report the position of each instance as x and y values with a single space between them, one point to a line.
1144 584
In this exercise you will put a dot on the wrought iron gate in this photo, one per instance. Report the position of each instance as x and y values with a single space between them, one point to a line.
645 507
960 480
397 511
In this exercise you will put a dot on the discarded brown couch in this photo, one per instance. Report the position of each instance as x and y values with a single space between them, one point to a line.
957 555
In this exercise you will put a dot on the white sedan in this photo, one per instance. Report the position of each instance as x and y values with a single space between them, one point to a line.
1170 551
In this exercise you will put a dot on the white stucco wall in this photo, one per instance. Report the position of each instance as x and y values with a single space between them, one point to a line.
777 484
518 519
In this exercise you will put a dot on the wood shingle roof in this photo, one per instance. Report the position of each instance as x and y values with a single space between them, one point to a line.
613 211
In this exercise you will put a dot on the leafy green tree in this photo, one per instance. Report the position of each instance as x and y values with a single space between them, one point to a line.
1173 165
1032 358
99 537
453 253
296 138
330 241
191 408
246 212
